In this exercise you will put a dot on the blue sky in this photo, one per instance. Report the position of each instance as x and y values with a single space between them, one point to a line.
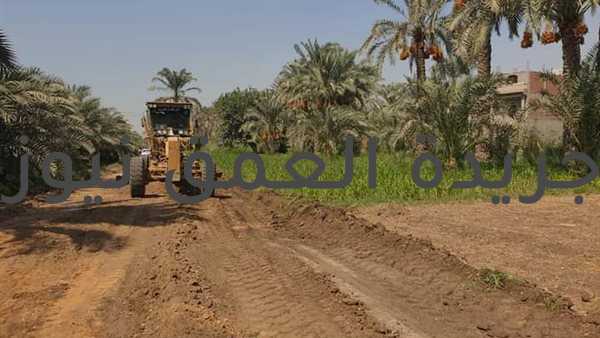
117 46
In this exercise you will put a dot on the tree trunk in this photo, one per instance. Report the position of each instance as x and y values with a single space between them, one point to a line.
571 48
420 61
484 62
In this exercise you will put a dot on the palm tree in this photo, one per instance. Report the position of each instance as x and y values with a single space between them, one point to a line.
561 21
53 117
105 126
267 121
417 36
329 92
460 112
326 75
7 55
40 107
324 130
386 121
473 23
175 81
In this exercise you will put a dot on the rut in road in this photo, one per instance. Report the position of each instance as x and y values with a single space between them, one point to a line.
268 291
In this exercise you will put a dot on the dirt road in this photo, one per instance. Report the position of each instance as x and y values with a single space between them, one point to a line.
246 264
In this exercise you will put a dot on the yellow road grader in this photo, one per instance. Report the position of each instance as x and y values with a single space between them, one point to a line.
168 130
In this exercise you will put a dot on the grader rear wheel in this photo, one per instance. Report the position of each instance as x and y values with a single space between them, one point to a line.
138 177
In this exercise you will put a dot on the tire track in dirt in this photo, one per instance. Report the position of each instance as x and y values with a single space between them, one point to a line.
416 289
270 293
380 297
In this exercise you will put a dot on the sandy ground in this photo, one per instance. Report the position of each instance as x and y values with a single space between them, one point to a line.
255 265
554 244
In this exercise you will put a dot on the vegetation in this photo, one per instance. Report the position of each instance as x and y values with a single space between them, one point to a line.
558 20
394 181
326 76
328 92
233 108
267 122
473 23
417 36
7 56
494 279
177 82
578 105
39 114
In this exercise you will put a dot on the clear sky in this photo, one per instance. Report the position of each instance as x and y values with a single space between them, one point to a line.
116 46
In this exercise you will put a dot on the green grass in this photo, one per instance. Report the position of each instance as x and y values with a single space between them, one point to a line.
394 181
494 279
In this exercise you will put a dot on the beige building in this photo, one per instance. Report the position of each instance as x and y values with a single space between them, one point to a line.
526 87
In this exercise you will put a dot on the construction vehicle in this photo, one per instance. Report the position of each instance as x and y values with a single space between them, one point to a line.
168 130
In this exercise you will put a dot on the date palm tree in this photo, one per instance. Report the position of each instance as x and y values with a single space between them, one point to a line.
327 75
459 111
473 23
563 21
105 126
267 122
329 90
416 36
324 130
7 55
178 82
53 117
41 108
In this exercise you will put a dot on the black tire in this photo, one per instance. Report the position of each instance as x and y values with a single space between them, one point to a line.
205 175
146 162
138 177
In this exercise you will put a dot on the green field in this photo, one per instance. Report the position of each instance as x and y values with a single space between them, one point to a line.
394 181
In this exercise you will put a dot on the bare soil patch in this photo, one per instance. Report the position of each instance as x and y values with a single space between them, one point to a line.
553 244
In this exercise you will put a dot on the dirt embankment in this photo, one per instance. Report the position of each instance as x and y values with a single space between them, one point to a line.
247 264
553 243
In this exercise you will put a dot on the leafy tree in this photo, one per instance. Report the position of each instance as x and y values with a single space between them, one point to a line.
416 36
233 108
267 122
7 56
473 23
175 81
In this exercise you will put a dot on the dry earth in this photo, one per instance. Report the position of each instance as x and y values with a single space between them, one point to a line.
554 244
250 264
